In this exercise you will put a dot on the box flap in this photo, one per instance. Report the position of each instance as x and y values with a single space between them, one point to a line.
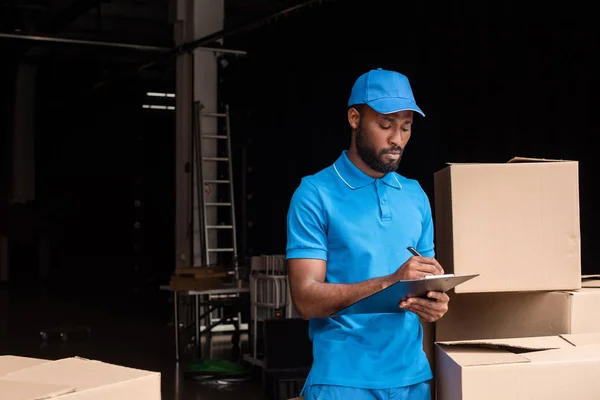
574 354
11 390
9 364
533 159
499 351
77 372
584 291
591 284
515 345
505 351
470 356
582 339
512 161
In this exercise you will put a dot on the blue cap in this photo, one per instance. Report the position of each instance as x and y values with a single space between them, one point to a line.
384 91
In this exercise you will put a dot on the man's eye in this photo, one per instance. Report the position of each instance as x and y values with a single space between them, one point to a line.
405 130
385 127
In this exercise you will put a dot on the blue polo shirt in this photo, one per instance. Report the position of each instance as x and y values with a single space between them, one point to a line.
361 226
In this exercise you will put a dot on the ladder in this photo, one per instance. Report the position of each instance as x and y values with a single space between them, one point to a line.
210 249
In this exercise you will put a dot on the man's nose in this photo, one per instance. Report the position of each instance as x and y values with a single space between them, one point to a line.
398 139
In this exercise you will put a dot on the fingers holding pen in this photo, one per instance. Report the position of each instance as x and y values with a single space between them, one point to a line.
418 267
418 257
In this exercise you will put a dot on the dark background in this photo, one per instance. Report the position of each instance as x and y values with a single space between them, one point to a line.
495 81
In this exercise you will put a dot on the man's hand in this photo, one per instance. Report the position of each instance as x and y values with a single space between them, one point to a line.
418 267
429 310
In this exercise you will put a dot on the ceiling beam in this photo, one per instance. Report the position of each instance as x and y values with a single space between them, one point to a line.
210 40
110 44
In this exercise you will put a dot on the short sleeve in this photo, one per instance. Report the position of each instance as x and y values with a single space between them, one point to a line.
306 224
425 246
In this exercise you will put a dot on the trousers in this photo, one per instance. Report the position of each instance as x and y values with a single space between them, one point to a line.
419 391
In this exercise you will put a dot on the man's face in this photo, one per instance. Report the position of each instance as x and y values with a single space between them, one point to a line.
381 138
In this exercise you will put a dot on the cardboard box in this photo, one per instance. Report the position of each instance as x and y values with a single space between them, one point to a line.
511 315
550 367
590 281
23 378
516 224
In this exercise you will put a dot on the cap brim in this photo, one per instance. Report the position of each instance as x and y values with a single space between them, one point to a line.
390 105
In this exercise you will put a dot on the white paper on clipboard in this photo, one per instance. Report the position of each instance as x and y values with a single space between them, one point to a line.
388 299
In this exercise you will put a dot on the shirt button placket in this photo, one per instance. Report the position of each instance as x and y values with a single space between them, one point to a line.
384 207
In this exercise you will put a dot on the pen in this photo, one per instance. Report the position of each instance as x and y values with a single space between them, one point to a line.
414 251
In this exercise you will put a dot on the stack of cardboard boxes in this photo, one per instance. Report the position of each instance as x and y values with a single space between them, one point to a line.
526 327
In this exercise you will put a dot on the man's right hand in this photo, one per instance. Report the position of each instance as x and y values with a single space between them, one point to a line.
418 267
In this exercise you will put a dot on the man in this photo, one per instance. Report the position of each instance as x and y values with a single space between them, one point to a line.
348 230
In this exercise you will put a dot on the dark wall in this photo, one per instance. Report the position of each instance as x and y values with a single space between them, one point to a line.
495 81
98 151
7 71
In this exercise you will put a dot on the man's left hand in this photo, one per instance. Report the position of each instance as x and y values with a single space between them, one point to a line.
430 309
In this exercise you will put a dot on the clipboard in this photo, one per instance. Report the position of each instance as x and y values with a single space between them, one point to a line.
388 299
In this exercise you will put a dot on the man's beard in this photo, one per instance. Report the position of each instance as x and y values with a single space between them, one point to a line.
371 158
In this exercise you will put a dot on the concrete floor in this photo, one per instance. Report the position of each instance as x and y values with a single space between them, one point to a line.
122 337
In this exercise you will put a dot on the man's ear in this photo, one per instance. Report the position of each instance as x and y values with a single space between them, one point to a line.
353 117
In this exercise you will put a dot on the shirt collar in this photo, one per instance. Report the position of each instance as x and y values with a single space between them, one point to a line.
354 178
